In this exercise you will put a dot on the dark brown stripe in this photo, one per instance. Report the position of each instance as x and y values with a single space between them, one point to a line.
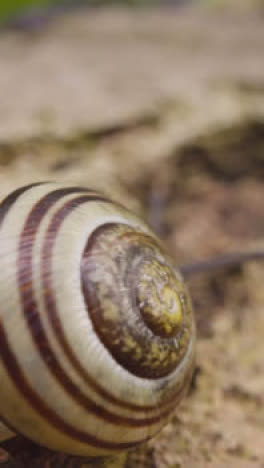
5 423
5 206
9 201
21 383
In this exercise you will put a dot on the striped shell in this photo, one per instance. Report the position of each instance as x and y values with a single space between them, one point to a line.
96 328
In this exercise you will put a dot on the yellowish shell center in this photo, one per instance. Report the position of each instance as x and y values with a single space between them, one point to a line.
158 299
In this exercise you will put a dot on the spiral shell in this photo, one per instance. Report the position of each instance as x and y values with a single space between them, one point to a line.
96 327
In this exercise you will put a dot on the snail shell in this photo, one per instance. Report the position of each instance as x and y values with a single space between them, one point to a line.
96 327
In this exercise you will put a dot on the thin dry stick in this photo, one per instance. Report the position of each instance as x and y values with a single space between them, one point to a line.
220 262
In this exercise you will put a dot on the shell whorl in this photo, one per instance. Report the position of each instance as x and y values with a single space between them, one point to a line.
96 328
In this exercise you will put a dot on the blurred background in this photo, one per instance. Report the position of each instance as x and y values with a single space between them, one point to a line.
161 105
20 9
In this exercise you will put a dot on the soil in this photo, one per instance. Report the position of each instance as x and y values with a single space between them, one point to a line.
164 109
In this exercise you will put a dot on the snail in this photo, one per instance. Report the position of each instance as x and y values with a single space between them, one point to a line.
97 332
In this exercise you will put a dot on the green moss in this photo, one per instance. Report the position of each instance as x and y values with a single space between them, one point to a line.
15 8
11 8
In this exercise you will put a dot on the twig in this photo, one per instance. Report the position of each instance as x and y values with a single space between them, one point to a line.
220 262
